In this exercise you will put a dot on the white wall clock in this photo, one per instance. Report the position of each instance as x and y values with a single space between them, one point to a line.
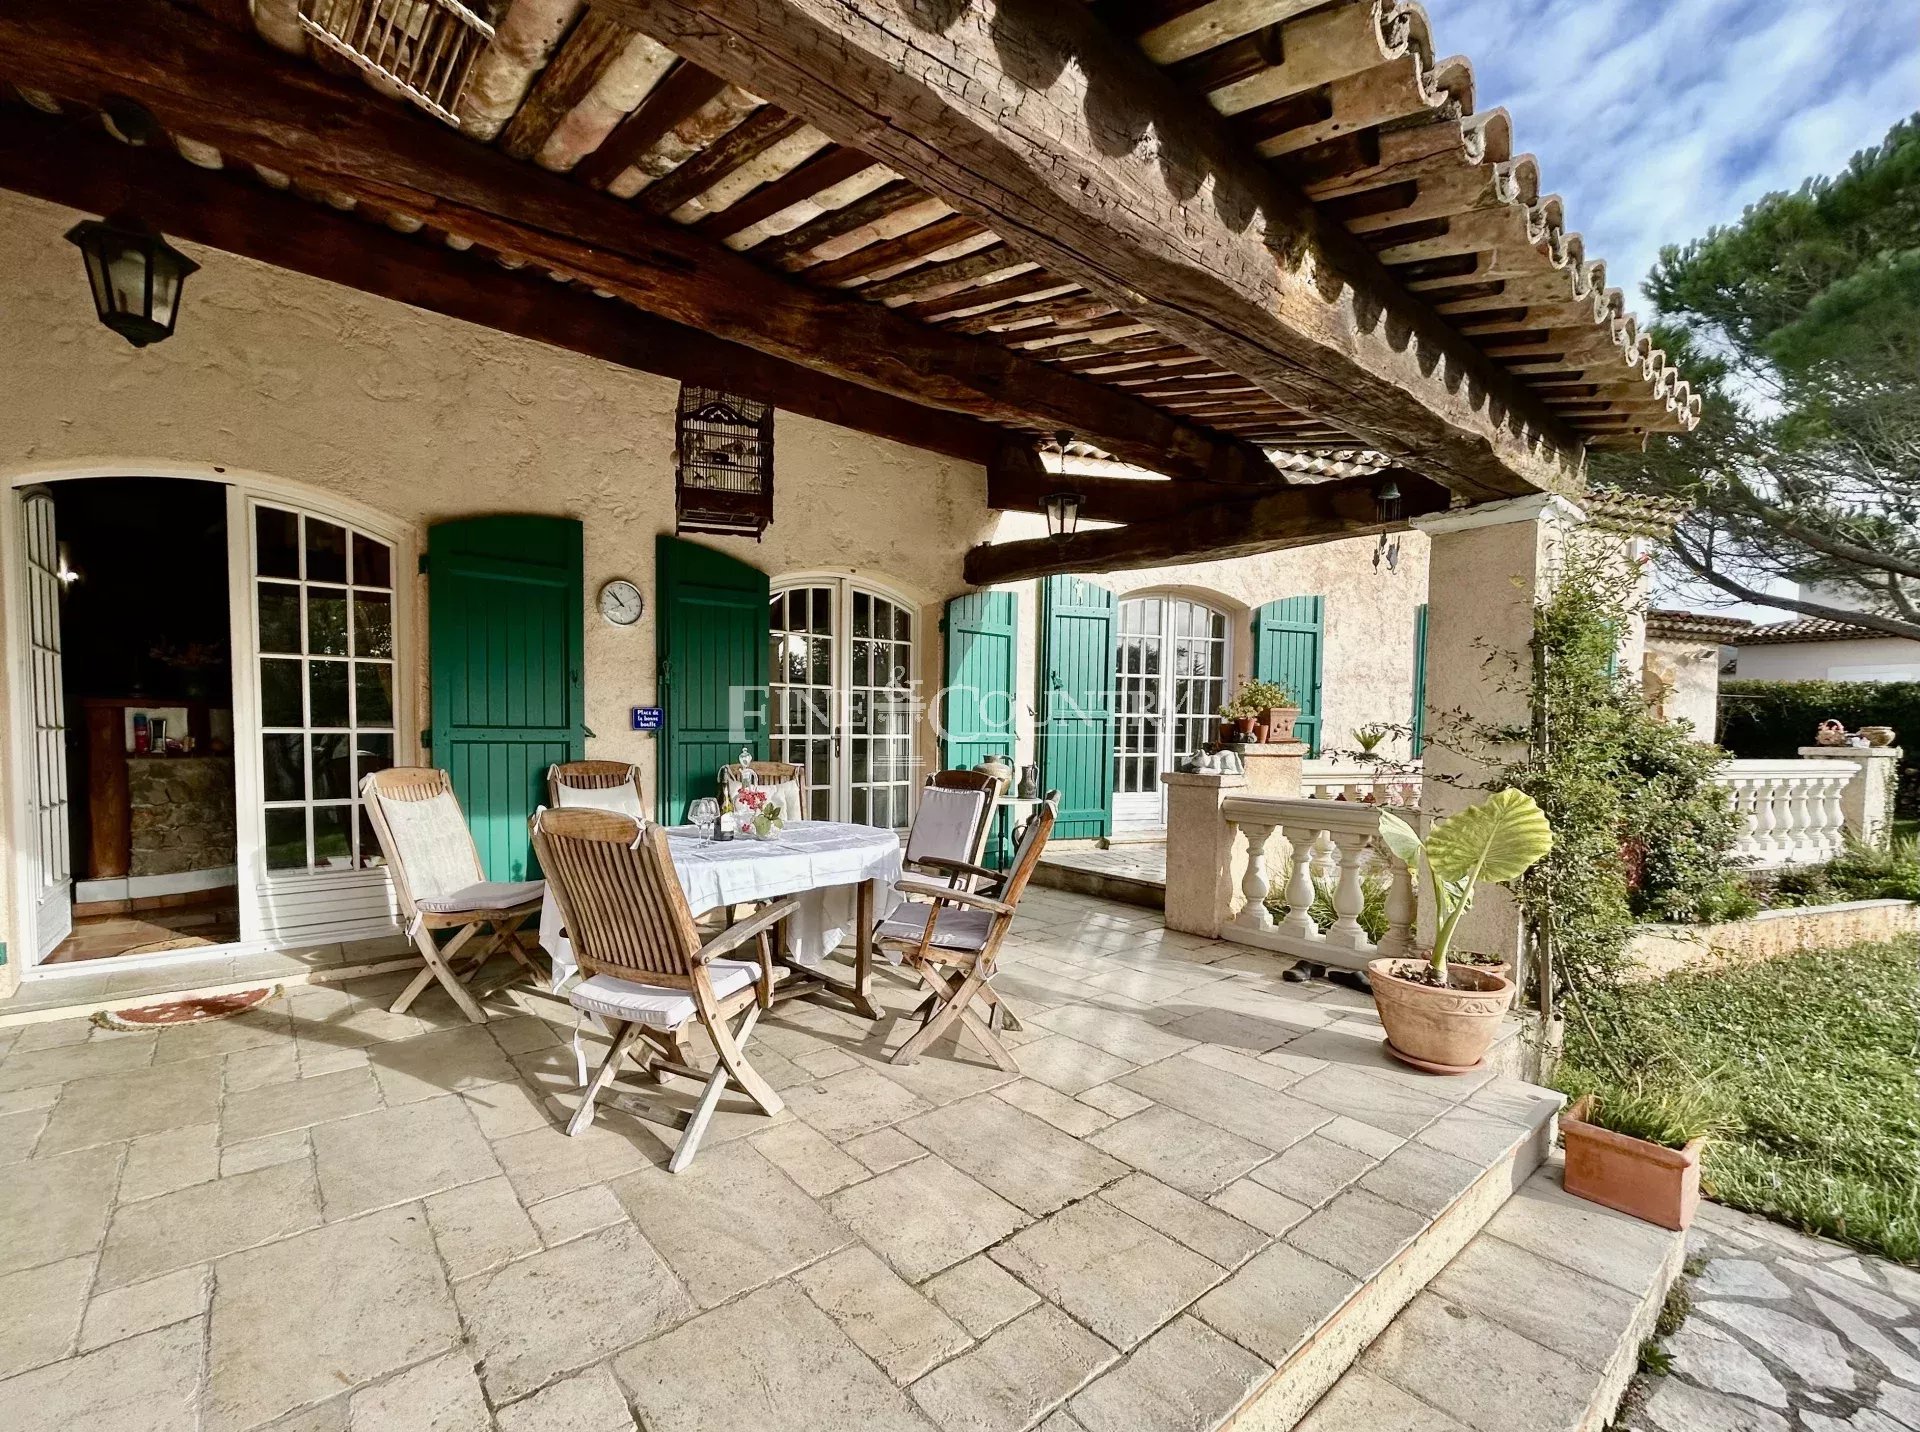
621 603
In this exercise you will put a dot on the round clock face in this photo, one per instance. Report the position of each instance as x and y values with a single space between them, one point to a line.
621 603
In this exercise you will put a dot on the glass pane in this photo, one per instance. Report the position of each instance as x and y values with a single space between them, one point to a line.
280 694
287 839
372 562
277 546
285 774
822 661
373 693
859 812
332 837
370 856
326 621
332 768
862 615
328 683
279 617
902 625
821 618
372 624
326 552
375 754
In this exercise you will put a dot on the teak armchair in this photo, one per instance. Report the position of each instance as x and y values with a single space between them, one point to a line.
647 971
961 930
952 822
603 785
440 885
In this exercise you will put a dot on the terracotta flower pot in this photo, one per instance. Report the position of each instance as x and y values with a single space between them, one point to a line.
1444 1031
1878 735
1649 1181
1243 727
1281 719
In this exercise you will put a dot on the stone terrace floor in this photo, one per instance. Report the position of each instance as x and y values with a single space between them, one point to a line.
321 1215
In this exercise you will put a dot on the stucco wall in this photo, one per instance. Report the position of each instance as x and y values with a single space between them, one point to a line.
1889 658
1367 661
425 418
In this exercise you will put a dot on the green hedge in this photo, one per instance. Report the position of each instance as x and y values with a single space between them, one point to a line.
1771 720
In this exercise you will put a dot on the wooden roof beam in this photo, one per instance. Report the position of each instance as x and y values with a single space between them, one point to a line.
1009 111
1285 517
68 160
257 107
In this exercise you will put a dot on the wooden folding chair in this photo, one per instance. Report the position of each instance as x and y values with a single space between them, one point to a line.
440 885
961 930
603 785
647 972
933 833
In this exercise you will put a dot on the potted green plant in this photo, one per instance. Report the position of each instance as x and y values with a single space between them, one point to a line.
1371 736
1637 1149
1262 704
1442 1016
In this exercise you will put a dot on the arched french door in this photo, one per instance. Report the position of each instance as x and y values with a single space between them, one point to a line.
843 706
317 645
1171 660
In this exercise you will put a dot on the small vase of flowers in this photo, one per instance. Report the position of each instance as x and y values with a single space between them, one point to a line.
756 812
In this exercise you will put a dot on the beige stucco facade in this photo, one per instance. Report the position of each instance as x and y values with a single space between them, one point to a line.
419 418
1681 678
370 406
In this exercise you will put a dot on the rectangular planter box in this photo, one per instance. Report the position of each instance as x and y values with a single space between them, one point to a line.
1648 1181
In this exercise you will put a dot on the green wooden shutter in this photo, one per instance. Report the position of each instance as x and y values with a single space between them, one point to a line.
714 648
505 632
1076 712
1419 741
982 630
1288 642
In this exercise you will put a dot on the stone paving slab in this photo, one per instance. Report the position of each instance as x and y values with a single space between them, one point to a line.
1787 1333
370 1221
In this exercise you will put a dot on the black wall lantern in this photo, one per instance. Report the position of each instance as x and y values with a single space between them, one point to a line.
1063 515
136 276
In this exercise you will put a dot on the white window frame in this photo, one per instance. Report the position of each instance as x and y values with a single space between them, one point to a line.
844 587
289 912
1146 809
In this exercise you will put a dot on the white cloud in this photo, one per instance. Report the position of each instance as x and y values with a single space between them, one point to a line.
1657 119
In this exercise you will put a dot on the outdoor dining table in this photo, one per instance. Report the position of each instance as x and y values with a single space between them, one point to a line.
844 875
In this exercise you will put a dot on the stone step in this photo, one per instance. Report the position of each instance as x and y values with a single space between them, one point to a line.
1535 1326
1324 1335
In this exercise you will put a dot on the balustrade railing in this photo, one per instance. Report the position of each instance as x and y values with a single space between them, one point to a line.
1360 783
1791 812
1318 843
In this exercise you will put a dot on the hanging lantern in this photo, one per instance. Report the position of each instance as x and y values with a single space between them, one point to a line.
135 274
1063 515
723 449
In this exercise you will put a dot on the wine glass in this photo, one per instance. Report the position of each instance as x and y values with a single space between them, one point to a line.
705 814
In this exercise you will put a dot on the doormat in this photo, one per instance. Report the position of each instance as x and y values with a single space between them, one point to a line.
185 1011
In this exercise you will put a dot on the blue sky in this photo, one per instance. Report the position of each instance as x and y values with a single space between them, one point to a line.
1656 119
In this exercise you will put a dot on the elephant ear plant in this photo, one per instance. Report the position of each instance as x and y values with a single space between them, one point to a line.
1490 843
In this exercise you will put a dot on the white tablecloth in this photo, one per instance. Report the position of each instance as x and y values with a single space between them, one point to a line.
822 861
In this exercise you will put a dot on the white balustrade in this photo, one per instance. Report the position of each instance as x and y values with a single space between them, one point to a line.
1328 843
1790 811
1364 784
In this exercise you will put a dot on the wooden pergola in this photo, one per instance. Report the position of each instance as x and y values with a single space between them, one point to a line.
1189 233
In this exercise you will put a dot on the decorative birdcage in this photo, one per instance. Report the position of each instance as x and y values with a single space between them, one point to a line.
723 455
425 47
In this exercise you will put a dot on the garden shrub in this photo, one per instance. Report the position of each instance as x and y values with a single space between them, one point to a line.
1771 720
1861 872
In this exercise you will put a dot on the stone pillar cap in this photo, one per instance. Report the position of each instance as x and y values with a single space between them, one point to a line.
1852 752
1222 779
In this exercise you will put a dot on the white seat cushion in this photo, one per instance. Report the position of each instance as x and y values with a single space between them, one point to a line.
945 824
655 1005
958 928
488 895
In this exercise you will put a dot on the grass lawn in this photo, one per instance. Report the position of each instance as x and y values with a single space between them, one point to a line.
1814 1055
